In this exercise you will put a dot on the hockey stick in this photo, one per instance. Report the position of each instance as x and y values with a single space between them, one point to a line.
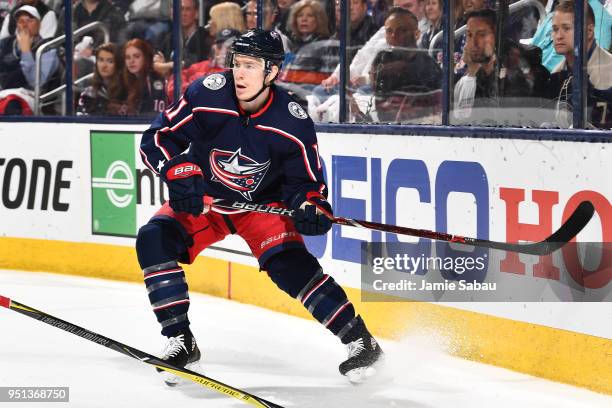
574 224
137 354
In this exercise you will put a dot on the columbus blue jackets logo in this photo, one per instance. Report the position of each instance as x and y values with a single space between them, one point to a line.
237 172
214 81
296 110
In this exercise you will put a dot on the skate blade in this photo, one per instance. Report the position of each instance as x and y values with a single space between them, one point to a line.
361 374
172 380
372 375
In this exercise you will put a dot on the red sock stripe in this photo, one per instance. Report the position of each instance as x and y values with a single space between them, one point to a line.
344 306
163 273
178 302
317 286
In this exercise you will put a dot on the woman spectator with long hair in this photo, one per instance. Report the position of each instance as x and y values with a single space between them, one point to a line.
226 15
106 95
313 55
307 23
433 12
145 88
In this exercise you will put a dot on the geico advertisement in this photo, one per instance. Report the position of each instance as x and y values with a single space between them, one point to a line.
505 190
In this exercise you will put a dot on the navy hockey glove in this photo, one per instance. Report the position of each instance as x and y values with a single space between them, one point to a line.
314 217
186 185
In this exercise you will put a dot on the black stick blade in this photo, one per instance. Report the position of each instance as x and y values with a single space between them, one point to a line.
572 227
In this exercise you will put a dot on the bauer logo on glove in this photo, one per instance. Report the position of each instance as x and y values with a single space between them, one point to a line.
186 185
184 171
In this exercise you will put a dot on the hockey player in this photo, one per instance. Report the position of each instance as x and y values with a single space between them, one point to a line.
235 135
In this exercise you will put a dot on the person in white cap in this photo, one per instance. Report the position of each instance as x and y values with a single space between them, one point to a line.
48 19
17 64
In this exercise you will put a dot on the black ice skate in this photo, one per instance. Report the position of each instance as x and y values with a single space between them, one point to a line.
364 354
182 351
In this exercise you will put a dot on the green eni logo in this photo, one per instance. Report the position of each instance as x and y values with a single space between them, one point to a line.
118 183
113 186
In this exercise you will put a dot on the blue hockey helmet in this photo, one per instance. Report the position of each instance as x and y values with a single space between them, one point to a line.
259 43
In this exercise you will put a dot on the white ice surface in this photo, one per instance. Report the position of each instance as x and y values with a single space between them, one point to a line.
287 360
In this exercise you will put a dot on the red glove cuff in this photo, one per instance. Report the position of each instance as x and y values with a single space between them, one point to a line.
184 170
318 200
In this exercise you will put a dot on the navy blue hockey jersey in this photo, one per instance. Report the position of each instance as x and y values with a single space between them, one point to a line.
268 156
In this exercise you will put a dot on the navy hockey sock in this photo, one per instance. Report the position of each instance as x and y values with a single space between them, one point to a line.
299 274
327 302
159 244
168 294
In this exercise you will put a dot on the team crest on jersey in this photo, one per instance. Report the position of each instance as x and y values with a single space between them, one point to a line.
214 81
237 171
158 85
296 110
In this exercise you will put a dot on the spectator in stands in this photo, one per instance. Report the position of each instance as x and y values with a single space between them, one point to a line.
5 8
313 56
360 65
467 7
379 10
536 74
400 31
88 11
433 12
145 88
424 73
149 20
226 15
216 62
362 25
307 23
106 95
543 36
17 66
522 24
284 7
480 87
270 16
209 4
417 7
599 69
196 41
85 12
479 57
401 98
48 19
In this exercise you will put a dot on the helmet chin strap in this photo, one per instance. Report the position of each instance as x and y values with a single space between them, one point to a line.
263 86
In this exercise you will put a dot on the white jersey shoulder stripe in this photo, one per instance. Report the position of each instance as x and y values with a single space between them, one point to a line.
168 129
215 110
